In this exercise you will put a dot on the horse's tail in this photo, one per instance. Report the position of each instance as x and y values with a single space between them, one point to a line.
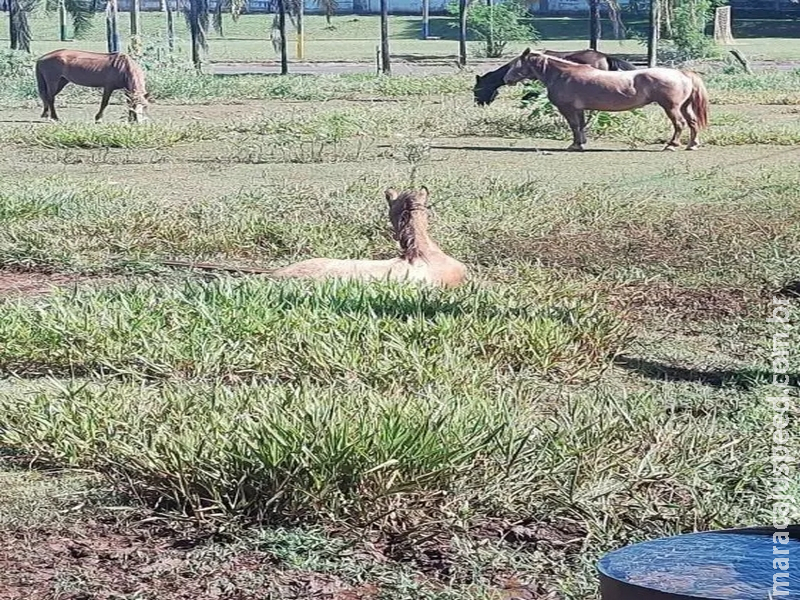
698 99
617 64
41 84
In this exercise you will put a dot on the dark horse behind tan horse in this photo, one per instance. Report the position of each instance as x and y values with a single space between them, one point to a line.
91 69
487 86
574 88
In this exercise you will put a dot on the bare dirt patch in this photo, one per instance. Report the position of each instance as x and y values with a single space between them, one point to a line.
96 560
649 301
101 561
18 283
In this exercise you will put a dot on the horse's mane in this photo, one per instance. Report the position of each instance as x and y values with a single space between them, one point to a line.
411 224
131 73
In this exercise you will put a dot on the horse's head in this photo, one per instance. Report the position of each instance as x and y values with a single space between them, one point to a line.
402 205
522 68
137 105
484 92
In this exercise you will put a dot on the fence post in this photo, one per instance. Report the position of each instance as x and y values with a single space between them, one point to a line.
62 21
652 37
386 64
594 23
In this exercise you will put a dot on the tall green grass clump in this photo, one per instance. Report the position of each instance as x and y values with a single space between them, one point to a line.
110 135
267 452
382 336
293 400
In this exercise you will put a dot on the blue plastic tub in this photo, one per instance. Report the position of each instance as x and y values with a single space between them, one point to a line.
730 564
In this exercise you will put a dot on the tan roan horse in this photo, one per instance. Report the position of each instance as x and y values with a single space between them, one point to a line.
420 261
574 88
91 69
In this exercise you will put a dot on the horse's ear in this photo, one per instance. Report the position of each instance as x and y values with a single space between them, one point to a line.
391 195
526 52
477 78
423 194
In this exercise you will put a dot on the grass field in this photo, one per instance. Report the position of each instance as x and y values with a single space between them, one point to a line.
602 379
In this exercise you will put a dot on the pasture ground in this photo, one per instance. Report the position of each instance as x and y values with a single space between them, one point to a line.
602 380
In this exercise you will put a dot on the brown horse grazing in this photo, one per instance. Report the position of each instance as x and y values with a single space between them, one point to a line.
574 88
487 86
420 260
91 69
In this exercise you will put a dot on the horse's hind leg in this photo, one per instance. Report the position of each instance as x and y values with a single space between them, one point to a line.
51 99
678 123
51 105
691 119
103 104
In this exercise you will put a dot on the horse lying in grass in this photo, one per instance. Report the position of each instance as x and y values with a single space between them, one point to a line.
420 261
574 88
91 69
487 86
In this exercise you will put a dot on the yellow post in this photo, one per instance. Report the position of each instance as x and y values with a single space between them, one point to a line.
300 14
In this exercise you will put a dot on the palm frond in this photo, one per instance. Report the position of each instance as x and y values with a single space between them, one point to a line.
329 7
216 21
615 14
237 8
196 14
20 30
82 14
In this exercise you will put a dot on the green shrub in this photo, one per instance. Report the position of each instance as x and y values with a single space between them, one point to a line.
497 24
688 36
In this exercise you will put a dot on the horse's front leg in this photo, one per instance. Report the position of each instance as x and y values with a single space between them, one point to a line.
574 118
103 103
678 124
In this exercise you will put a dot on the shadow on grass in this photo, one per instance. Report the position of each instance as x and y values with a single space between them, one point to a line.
789 290
744 379
533 150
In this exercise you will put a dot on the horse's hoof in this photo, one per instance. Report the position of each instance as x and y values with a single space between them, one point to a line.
574 148
669 148
695 147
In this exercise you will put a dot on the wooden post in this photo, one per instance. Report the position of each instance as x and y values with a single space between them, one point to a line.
386 63
301 9
462 32
594 23
62 21
282 28
194 32
135 19
135 44
490 41
112 31
426 20
170 25
13 7
652 37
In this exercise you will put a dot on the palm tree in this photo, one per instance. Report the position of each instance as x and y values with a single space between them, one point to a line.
196 13
80 11
235 7
330 7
